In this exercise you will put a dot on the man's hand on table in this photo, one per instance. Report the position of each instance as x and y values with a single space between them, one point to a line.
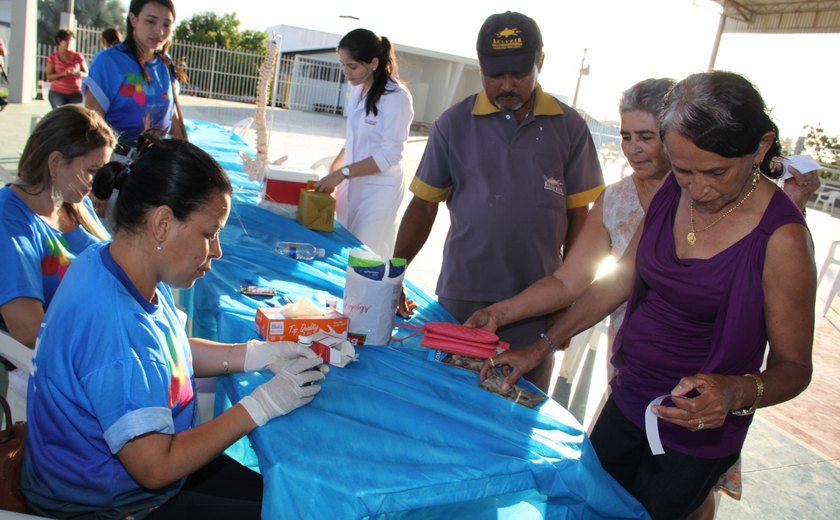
483 319
406 307
294 384
514 363
260 354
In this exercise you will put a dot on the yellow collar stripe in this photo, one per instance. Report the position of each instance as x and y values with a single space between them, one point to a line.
584 198
546 105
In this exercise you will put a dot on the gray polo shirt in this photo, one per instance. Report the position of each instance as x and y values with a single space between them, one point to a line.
507 187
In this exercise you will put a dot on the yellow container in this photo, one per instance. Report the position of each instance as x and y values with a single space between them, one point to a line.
316 210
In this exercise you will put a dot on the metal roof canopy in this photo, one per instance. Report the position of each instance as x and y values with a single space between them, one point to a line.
776 17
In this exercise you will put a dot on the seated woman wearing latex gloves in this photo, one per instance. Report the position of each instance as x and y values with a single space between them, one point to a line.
113 425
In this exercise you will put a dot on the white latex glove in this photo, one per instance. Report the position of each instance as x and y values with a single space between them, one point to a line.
260 354
285 391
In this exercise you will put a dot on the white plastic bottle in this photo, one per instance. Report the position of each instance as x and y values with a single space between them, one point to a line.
299 250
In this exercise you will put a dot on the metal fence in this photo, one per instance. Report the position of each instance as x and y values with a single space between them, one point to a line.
305 83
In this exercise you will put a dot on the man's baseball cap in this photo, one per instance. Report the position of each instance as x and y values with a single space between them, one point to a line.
508 42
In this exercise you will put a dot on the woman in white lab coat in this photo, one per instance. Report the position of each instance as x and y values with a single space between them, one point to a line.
367 173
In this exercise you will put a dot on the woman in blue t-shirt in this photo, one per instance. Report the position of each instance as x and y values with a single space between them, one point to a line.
113 426
47 221
47 218
133 84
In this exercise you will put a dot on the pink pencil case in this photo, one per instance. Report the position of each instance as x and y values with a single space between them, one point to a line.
458 339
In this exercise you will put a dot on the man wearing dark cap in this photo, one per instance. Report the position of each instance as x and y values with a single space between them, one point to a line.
517 169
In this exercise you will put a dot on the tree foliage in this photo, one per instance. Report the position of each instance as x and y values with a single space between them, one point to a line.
825 147
95 13
223 30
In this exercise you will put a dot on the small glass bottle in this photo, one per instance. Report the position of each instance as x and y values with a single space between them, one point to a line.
299 250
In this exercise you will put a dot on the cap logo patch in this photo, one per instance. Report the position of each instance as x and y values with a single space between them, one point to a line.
507 38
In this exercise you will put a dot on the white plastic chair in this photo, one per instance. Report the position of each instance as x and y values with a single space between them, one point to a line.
33 122
21 357
835 287
5 176
326 162
240 127
827 198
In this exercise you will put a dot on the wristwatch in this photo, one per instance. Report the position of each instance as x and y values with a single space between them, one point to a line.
345 171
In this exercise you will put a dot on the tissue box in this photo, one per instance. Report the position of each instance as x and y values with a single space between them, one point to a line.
282 184
274 326
316 210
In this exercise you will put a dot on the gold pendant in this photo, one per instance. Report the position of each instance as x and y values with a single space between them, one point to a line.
691 238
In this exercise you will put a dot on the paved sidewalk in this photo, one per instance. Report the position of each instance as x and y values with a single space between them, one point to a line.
791 461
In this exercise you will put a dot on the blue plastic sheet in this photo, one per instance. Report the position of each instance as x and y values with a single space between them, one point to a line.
392 435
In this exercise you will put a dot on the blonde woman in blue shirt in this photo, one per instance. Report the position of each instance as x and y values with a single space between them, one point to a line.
367 173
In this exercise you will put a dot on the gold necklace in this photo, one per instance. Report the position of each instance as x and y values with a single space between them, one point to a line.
691 236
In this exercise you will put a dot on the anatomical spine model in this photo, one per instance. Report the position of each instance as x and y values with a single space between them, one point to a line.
254 167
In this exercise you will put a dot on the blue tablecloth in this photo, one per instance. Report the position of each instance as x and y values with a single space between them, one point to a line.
392 435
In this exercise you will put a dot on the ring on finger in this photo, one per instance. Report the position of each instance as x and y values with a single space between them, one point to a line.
700 424
492 363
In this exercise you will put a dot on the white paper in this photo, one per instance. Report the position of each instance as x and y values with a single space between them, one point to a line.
652 426
802 163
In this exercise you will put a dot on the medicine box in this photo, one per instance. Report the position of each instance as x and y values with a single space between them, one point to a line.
274 326
283 184
332 349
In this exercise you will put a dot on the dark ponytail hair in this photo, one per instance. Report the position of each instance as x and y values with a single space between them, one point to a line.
134 9
723 113
168 172
364 45
111 36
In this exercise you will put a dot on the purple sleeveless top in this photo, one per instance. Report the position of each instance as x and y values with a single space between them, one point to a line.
693 316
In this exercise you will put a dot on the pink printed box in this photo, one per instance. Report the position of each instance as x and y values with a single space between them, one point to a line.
274 326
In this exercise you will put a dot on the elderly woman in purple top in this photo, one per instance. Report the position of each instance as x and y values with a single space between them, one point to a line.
722 266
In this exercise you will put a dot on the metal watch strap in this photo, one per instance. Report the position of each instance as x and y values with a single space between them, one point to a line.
759 392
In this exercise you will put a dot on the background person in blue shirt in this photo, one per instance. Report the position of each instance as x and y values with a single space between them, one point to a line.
132 84
112 414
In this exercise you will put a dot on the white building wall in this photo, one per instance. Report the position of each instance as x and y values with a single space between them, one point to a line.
436 80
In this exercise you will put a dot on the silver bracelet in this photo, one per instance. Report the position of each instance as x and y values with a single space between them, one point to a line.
548 340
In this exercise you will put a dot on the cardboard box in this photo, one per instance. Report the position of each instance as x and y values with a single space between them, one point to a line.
282 184
333 349
316 210
274 326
